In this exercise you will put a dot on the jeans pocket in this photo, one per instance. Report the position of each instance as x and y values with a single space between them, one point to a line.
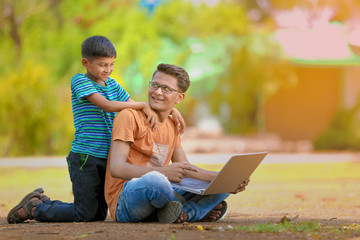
75 163
68 161
83 159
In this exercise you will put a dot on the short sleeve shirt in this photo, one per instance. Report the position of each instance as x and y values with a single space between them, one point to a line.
93 125
147 148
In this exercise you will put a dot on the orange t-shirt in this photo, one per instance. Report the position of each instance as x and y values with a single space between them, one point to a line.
147 148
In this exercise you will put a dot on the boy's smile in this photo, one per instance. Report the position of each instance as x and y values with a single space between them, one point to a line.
99 69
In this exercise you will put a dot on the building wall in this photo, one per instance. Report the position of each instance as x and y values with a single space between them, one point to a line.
351 87
303 111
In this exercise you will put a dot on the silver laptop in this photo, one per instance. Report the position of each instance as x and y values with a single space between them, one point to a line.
234 172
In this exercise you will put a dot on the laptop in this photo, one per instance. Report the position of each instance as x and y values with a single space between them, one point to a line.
237 169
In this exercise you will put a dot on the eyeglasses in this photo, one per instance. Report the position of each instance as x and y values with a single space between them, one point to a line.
165 89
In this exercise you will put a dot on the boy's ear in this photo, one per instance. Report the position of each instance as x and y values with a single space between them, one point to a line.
84 62
179 98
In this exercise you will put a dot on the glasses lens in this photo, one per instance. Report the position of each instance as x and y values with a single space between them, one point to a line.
166 89
154 85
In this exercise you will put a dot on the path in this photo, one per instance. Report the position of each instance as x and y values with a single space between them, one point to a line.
211 158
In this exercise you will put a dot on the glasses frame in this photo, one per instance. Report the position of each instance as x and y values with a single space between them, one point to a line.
161 86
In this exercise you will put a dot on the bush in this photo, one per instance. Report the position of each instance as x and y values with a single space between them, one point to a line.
343 133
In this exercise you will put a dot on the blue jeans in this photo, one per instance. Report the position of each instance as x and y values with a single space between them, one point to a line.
87 175
141 197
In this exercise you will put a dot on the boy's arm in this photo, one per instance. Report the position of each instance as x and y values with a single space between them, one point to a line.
120 168
116 106
179 120
113 106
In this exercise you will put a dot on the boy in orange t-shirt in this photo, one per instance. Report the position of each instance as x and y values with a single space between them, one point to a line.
138 174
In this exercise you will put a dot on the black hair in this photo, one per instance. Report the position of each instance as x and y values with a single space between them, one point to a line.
97 46
181 75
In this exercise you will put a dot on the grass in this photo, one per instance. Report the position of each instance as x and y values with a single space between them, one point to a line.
310 191
308 226
313 227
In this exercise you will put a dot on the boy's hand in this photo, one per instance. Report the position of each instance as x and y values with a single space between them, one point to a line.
242 186
152 118
179 120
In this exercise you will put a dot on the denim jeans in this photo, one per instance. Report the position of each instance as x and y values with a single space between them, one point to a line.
87 174
141 197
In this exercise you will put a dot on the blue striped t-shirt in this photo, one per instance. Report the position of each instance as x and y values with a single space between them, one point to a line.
93 126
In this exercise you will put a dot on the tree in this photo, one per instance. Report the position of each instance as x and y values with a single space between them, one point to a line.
257 70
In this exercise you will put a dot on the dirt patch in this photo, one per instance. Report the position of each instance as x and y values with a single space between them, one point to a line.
222 230
327 194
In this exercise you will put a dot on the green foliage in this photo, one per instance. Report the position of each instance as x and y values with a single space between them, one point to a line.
343 133
257 70
30 113
41 52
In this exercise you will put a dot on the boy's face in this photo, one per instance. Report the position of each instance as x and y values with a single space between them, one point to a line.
160 101
99 68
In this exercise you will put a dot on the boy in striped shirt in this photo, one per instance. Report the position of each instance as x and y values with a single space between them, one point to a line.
95 99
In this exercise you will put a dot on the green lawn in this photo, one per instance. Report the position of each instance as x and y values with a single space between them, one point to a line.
313 194
275 189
